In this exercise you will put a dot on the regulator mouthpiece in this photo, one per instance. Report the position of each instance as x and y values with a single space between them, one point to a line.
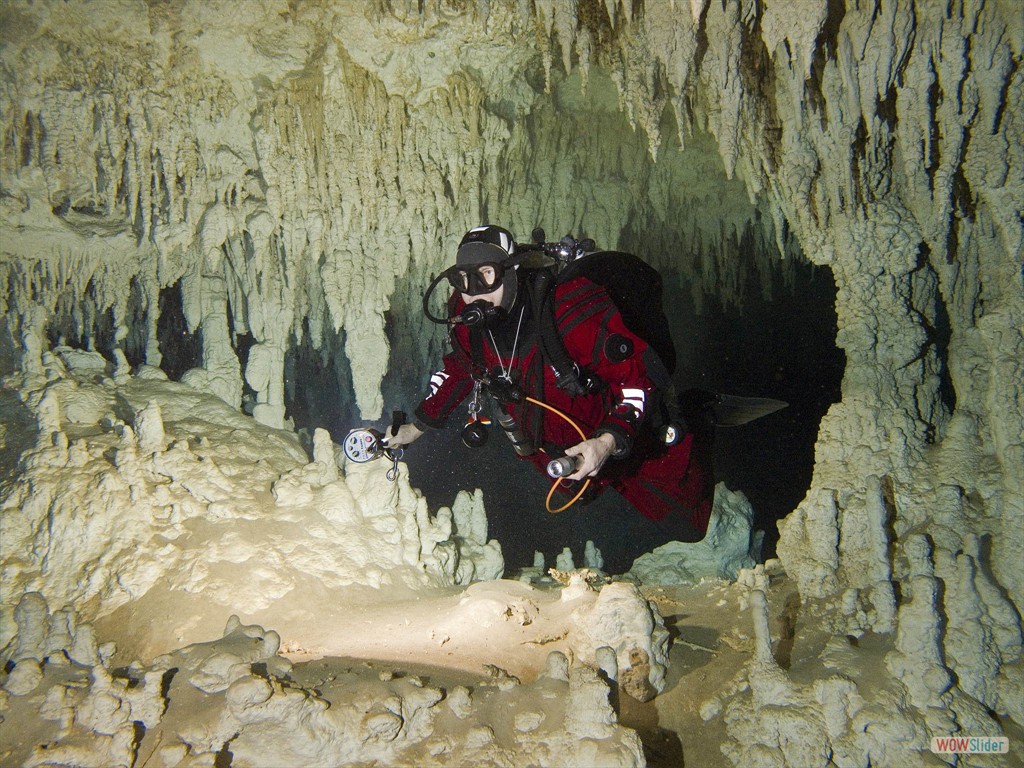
480 312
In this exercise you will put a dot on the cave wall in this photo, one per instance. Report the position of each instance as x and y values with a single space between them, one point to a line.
302 168
302 177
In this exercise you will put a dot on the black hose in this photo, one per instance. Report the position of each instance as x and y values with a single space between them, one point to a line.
552 345
426 300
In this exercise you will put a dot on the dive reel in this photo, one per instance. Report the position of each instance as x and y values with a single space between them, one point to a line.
366 444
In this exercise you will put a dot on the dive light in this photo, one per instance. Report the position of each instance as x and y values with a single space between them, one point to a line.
562 467
366 444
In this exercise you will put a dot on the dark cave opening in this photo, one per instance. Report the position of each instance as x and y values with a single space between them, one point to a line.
318 385
242 343
180 349
783 348
78 323
137 320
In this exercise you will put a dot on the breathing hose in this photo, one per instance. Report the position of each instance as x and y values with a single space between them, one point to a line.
586 484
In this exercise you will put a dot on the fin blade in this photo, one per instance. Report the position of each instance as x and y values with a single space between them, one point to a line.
734 411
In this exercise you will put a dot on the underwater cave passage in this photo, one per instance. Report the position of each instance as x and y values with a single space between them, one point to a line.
180 349
782 347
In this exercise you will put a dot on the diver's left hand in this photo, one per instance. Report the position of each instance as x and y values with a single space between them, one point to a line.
592 454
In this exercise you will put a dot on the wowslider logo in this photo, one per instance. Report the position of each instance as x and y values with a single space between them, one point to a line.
970 745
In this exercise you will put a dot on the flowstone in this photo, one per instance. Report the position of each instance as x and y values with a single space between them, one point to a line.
144 489
237 695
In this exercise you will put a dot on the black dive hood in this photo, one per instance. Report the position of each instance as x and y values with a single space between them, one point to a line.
481 311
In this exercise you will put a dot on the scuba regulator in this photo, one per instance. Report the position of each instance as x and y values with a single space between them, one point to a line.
479 312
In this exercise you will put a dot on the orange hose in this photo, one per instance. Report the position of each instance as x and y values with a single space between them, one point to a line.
547 501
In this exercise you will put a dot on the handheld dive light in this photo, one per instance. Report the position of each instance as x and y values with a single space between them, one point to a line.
562 467
365 444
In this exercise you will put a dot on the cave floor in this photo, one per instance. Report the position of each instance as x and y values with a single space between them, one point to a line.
447 638
711 641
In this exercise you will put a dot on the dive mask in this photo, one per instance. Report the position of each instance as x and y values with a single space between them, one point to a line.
476 279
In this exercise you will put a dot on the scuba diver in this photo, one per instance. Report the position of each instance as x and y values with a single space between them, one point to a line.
574 388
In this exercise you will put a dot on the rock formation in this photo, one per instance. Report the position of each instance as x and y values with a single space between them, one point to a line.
227 194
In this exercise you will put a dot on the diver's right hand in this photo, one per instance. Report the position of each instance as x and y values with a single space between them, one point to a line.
406 434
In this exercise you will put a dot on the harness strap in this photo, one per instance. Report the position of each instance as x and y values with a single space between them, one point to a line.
582 315
476 348
602 337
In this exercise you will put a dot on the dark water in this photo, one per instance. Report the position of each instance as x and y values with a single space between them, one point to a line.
514 494
784 349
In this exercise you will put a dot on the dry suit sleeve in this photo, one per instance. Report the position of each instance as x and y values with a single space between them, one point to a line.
630 393
448 388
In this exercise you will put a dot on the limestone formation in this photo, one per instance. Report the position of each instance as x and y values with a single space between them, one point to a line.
237 695
233 200
149 486
729 545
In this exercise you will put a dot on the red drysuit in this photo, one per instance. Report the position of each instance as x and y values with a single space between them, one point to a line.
671 485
